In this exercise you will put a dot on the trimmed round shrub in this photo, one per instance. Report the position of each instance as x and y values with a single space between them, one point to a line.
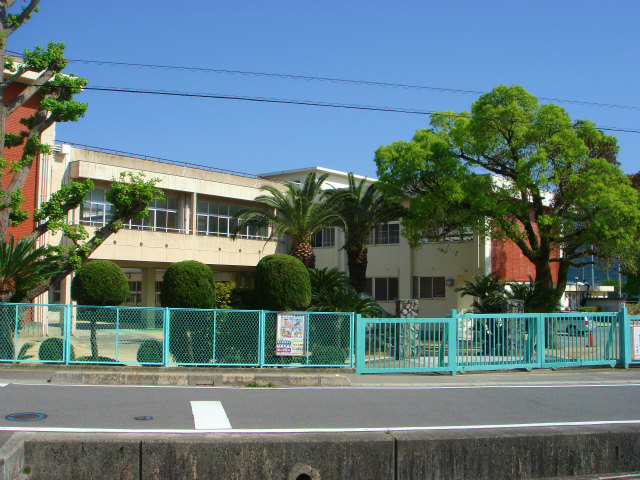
100 282
52 349
7 350
150 351
282 283
188 284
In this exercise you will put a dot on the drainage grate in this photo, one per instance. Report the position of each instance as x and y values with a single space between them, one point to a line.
25 417
143 418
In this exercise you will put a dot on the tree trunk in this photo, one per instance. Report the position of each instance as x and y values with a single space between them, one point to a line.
545 297
357 263
94 338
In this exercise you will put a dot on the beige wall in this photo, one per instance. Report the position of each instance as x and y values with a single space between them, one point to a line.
147 250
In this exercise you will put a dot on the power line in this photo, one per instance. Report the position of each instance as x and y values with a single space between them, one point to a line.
316 103
339 80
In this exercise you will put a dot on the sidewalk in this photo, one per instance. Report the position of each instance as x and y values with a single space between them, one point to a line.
302 377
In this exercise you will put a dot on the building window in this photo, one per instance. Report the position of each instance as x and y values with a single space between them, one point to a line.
428 287
158 290
382 288
215 218
324 238
135 293
96 210
384 234
55 293
163 216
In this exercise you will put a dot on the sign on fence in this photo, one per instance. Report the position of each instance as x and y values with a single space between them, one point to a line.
635 338
290 336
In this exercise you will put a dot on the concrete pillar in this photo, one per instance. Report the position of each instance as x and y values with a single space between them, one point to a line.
148 287
193 217
149 295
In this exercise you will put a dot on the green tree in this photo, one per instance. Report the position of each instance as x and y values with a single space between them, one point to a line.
296 212
54 91
99 283
487 291
547 190
361 207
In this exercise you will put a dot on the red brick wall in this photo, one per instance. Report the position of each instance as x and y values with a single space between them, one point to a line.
508 262
29 190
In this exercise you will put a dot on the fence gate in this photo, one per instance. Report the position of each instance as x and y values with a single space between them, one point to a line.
385 345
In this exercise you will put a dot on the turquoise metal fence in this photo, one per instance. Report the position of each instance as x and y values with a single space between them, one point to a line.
405 345
464 342
74 334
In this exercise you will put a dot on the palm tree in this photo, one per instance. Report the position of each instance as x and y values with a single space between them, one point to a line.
489 293
296 212
22 266
362 207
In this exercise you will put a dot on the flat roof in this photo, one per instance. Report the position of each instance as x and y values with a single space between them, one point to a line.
316 169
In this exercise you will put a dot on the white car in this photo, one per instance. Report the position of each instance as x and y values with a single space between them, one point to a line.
579 325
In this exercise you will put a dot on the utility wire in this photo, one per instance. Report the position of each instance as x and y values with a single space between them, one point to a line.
315 103
338 80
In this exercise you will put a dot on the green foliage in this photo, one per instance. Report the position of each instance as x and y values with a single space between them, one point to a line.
328 355
282 283
487 290
588 309
6 346
150 352
22 266
188 284
332 292
224 294
52 349
100 283
296 212
40 59
555 190
243 298
132 194
236 338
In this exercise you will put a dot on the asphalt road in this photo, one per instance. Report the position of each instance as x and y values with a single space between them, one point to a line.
198 409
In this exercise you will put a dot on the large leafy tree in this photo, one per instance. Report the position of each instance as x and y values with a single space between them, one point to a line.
362 207
553 188
297 212
53 93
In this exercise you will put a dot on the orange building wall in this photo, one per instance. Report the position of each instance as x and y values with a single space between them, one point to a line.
29 190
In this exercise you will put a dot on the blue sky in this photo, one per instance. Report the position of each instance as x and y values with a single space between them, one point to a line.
577 50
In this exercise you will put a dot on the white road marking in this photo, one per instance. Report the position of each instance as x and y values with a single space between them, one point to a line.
209 416
353 387
321 430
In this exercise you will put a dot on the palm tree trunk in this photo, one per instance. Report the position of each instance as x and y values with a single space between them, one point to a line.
304 253
357 263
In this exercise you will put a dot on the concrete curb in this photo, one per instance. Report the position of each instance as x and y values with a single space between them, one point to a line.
202 379
12 457
577 453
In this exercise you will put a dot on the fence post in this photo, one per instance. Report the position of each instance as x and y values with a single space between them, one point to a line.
353 319
360 341
452 344
262 339
166 336
625 340
541 341
66 322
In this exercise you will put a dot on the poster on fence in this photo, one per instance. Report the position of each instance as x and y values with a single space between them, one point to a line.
635 337
290 334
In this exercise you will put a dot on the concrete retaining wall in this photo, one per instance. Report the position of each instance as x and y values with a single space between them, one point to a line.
473 454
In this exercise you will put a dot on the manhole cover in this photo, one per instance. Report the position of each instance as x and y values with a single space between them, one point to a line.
143 418
25 417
